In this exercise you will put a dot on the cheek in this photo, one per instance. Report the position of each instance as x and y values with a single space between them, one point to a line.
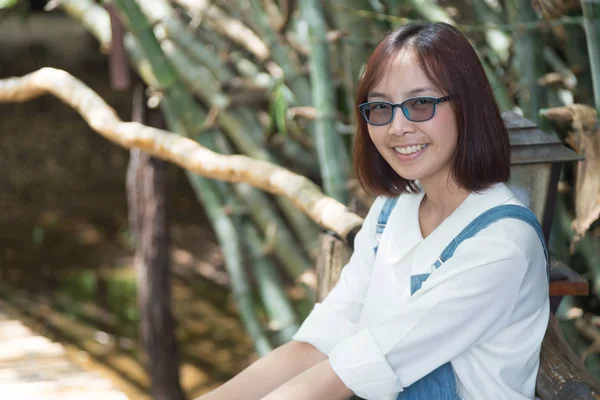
376 136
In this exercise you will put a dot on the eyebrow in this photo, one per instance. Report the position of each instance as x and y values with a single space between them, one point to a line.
378 94
410 93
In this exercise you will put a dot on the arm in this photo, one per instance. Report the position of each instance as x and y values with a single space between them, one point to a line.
269 372
466 303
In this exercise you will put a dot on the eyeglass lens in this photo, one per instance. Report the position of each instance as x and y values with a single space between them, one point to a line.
380 113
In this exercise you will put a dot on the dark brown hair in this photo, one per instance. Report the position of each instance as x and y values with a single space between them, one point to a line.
482 155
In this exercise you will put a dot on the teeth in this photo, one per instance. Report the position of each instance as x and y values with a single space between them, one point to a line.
410 149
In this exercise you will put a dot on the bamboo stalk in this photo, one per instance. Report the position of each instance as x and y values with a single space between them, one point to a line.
430 10
279 53
226 231
501 93
231 28
335 165
184 105
591 14
559 66
282 317
197 50
264 216
528 57
497 40
354 52
576 53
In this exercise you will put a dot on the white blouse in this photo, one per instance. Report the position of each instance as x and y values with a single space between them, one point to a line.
485 310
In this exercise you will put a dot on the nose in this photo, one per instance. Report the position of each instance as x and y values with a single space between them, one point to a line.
400 124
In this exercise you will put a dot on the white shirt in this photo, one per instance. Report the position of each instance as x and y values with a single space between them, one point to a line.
485 310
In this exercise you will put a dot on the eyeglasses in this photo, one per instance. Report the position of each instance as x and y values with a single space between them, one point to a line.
417 109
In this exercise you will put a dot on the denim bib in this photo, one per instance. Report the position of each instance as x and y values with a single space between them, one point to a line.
440 384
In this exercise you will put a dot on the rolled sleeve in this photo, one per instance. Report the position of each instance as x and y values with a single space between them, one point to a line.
336 318
472 299
362 366
324 329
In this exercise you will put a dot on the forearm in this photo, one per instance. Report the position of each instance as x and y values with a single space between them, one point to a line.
268 373
317 383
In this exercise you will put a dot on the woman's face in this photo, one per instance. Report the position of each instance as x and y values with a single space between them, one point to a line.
415 150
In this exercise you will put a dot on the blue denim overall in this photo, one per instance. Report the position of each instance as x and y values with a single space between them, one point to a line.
440 384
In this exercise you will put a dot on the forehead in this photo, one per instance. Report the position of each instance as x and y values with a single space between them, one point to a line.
403 75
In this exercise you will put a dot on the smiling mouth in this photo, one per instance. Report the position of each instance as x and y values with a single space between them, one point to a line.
410 149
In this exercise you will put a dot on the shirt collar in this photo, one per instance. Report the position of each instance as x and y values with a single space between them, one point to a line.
475 204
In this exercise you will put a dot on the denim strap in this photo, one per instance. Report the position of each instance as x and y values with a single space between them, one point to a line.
486 219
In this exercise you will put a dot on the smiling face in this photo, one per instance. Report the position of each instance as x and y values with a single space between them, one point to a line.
421 151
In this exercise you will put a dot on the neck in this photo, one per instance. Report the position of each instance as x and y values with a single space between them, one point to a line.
442 198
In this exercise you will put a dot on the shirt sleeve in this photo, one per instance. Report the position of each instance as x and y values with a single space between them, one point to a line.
336 318
470 300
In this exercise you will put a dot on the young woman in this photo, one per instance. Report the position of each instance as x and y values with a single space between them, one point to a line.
450 300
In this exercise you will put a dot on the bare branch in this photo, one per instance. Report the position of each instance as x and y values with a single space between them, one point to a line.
182 151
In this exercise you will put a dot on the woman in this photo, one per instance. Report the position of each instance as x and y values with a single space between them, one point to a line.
424 309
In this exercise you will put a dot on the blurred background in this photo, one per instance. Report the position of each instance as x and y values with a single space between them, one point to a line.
101 246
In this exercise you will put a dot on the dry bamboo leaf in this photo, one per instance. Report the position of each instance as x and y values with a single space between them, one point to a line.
583 123
551 9
188 154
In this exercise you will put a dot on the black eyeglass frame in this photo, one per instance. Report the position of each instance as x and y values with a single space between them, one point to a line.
436 101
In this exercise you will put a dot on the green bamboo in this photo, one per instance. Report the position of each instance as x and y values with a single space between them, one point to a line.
229 240
197 50
262 212
291 154
279 52
218 20
575 48
249 70
184 104
355 51
500 91
559 66
282 317
206 87
498 41
591 15
528 60
430 10
333 158
226 230
290 149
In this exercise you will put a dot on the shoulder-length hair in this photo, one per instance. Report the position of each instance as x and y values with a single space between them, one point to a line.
482 155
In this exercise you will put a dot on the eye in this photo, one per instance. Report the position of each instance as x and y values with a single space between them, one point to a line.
422 102
379 106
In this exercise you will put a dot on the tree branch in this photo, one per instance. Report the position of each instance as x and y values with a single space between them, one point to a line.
184 152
